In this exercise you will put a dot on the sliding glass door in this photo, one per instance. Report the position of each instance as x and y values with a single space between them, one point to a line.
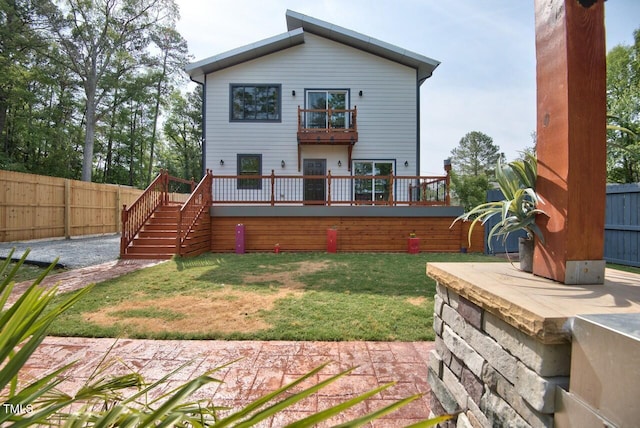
372 189
325 100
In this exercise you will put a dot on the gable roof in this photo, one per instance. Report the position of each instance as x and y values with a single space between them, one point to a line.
423 64
298 24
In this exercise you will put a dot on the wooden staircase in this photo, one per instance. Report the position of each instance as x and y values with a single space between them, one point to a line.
155 227
157 238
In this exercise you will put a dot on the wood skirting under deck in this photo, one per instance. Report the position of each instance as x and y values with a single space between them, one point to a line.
297 230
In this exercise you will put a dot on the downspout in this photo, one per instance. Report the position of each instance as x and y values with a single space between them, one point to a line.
418 123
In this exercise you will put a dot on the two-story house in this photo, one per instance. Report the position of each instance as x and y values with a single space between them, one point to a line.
315 99
312 138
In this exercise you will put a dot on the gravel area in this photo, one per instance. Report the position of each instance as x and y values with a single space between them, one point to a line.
73 253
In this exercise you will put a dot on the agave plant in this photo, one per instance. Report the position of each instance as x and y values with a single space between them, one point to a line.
518 209
124 400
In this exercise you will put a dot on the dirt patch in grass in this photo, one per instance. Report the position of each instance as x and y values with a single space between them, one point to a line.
224 310
417 301
289 278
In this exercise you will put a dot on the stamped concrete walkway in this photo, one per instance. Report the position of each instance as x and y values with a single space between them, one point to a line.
263 366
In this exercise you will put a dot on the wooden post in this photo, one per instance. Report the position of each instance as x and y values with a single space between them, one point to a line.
447 194
329 188
571 139
124 242
117 213
273 185
67 209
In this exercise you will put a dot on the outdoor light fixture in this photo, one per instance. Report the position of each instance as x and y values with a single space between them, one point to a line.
293 93
406 164
360 93
221 162
339 163
282 164
447 162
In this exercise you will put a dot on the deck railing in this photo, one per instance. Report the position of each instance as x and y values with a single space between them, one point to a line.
330 190
330 126
197 204
160 192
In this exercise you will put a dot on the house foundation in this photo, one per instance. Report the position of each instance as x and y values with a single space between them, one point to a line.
504 347
357 229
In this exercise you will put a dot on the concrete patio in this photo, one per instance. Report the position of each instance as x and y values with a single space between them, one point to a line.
263 367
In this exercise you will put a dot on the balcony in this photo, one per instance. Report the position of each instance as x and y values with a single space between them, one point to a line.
327 127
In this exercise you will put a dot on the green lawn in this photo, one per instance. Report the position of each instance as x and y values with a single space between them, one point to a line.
313 296
304 296
26 272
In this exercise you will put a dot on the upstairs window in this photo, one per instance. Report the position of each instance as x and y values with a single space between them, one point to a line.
255 103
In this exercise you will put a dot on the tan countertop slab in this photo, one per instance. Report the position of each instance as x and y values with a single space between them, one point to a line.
537 306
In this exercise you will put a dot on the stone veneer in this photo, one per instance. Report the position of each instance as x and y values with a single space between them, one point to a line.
502 348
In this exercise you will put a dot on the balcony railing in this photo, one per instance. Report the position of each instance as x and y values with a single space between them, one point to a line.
331 126
331 190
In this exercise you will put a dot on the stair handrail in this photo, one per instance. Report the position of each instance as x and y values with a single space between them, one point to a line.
135 216
199 201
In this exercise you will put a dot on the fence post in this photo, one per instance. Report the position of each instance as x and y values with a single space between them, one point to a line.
118 201
391 201
67 209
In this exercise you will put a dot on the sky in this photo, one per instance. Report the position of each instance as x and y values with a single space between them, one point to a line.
486 79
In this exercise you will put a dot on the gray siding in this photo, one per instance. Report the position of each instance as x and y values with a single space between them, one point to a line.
387 117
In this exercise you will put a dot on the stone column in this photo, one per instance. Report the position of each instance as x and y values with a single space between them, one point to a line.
571 139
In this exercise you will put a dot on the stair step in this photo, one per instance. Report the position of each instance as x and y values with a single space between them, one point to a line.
160 227
129 256
166 241
152 249
165 214
158 234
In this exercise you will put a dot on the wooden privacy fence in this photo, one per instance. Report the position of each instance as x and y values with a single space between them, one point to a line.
621 230
622 224
37 207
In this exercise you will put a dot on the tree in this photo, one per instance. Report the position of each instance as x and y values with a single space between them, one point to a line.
474 162
470 190
173 57
475 155
623 107
93 38
183 134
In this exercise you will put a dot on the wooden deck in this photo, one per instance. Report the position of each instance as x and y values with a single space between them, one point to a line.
152 227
